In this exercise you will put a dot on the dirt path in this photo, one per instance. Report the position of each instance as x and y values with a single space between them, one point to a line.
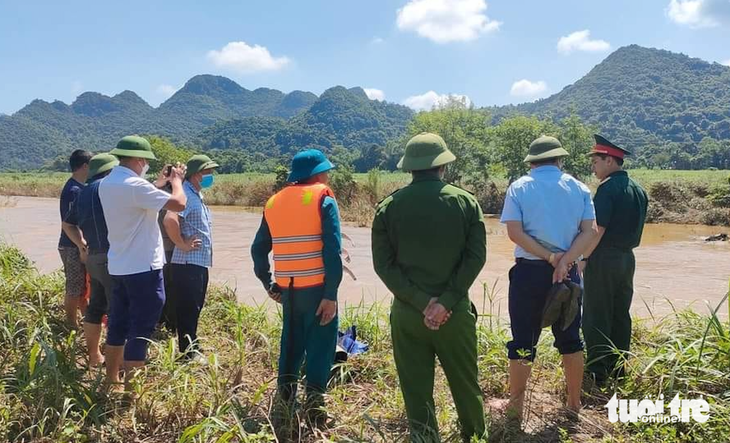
674 265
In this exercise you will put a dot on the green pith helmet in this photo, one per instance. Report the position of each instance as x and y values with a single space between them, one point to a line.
545 148
101 163
199 163
425 151
134 146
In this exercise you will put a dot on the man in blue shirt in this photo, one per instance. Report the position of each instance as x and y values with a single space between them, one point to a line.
73 248
301 224
192 232
550 217
87 220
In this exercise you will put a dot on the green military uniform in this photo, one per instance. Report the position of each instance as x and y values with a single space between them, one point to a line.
429 240
621 206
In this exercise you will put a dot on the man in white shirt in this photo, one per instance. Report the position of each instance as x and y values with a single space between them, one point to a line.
136 255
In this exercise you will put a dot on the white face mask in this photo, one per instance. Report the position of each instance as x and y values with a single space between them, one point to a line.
144 170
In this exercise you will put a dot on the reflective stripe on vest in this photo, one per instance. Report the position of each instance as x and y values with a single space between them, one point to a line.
295 221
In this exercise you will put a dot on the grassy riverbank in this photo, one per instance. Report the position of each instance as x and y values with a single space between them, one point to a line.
687 197
48 395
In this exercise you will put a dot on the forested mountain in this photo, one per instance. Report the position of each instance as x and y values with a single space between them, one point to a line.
41 130
672 110
642 97
340 117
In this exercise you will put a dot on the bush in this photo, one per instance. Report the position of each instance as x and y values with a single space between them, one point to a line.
259 193
343 184
373 186
490 198
715 217
282 176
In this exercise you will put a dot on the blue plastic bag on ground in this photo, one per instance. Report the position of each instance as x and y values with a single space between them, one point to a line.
348 345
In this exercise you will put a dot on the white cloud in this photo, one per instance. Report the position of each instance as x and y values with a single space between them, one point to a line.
445 21
240 57
699 13
166 90
685 12
375 94
377 41
726 62
581 41
431 100
527 88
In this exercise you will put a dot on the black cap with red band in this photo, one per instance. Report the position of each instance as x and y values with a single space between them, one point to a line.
605 147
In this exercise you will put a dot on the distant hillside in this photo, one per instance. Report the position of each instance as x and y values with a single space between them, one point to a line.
641 97
41 130
206 99
669 108
340 117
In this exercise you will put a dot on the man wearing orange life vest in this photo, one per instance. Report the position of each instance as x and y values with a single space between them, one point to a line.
301 224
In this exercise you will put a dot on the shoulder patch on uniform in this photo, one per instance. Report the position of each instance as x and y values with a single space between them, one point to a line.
388 196
461 189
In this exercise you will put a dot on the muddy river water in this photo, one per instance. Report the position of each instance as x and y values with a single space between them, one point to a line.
675 266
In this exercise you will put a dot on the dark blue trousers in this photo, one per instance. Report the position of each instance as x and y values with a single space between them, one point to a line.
134 310
529 284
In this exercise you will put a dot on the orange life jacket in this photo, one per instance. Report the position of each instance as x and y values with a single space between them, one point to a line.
294 216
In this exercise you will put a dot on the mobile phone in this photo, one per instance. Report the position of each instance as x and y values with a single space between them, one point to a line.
168 170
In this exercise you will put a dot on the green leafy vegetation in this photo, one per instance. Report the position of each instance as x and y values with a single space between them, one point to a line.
658 103
47 392
41 131
340 119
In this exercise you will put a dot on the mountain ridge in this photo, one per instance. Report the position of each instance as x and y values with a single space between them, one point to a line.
644 96
641 98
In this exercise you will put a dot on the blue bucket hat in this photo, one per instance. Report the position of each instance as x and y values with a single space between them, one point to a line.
308 164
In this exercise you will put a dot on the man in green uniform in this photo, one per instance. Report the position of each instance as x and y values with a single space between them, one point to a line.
429 245
621 206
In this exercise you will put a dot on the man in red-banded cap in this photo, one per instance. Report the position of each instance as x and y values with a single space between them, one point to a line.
621 206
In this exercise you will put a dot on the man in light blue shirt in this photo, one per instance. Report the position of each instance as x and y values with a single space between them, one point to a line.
192 232
551 205
551 219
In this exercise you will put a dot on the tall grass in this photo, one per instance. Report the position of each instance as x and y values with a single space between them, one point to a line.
48 394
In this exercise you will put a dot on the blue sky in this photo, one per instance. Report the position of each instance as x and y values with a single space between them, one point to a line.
407 51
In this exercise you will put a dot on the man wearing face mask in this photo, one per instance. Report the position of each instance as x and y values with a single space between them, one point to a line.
136 254
191 231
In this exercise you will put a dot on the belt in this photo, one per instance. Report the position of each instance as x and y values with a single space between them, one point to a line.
527 261
98 251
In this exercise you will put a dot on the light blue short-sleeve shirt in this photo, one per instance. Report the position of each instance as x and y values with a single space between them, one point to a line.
551 205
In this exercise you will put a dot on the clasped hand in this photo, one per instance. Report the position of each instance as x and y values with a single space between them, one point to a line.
562 267
435 315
